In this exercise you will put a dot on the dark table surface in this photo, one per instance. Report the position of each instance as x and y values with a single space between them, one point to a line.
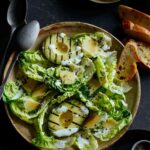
51 11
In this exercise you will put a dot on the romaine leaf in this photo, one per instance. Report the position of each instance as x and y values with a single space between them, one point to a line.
18 109
86 141
101 70
105 41
111 65
33 64
106 67
34 71
53 80
33 56
107 133
12 91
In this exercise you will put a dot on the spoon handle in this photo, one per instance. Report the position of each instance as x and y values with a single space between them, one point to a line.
6 53
11 67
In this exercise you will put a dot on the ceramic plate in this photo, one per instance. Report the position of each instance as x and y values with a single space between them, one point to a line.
70 28
105 1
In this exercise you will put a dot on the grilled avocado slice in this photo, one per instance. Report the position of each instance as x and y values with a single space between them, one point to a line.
93 85
67 118
88 43
29 85
68 77
89 46
89 67
62 50
62 79
40 91
92 43
56 48
30 104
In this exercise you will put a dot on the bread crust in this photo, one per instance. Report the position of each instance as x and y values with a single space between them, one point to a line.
144 53
135 16
127 67
136 31
137 24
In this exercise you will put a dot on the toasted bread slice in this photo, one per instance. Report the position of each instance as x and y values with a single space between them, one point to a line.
144 53
136 31
127 67
135 16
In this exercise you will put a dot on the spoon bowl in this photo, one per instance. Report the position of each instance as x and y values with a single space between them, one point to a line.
16 13
141 145
26 37
16 17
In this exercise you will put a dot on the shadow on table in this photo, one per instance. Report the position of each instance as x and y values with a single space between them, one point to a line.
4 28
9 138
128 140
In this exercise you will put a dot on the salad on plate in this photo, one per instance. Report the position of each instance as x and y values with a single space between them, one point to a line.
69 90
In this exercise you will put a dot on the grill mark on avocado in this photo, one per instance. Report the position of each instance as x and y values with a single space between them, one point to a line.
50 49
78 114
54 122
72 112
52 129
62 40
56 58
57 37
76 124
50 39
77 52
70 48
61 57
73 104
55 114
44 47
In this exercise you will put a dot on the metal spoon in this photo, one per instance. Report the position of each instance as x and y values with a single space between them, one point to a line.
16 15
25 38
141 145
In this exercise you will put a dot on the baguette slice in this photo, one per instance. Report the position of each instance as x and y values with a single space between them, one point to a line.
144 53
127 67
134 16
136 31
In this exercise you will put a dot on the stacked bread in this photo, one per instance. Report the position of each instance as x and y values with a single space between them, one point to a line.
136 24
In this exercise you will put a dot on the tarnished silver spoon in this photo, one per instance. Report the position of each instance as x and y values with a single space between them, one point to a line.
25 38
16 17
